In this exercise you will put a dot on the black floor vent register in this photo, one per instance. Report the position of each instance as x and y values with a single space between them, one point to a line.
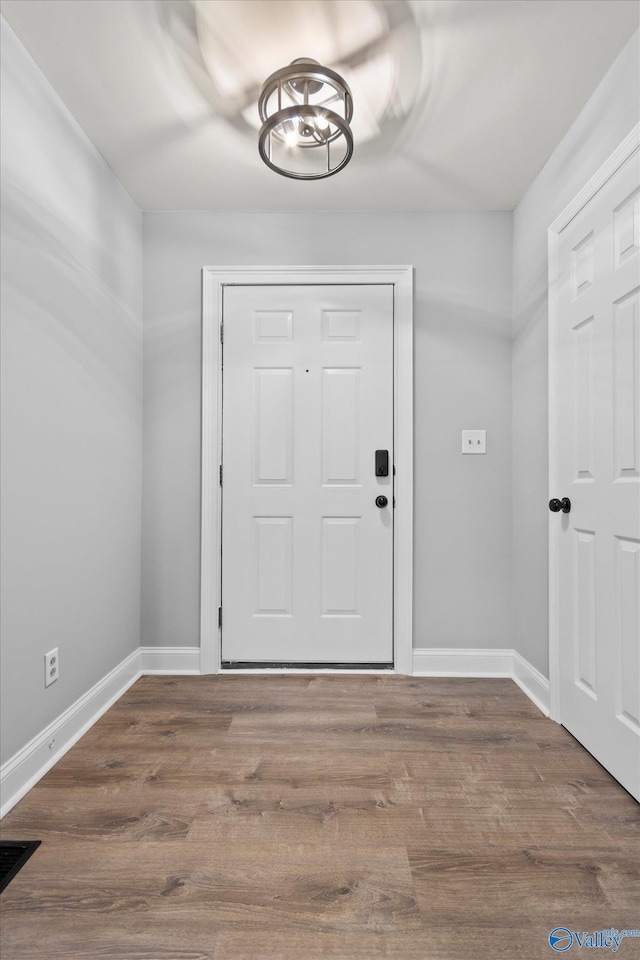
13 856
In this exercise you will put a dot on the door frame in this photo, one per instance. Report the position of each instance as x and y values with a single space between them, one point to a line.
629 146
214 280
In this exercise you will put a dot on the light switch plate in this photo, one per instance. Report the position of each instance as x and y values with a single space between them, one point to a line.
474 441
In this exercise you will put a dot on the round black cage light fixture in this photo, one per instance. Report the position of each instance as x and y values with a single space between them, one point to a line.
305 110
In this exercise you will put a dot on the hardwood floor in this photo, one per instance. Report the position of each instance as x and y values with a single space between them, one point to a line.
334 817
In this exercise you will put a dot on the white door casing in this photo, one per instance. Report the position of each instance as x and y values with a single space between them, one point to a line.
215 281
307 399
594 410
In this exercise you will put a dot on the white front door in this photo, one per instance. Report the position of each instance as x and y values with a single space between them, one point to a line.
595 346
307 553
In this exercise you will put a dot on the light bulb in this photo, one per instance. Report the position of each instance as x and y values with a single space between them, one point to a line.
290 133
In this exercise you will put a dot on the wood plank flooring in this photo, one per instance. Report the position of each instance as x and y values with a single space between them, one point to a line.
335 817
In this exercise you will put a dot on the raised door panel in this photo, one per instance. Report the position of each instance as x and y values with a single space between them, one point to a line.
582 266
273 326
626 230
341 562
627 681
273 566
341 325
626 386
583 400
273 426
341 425
584 605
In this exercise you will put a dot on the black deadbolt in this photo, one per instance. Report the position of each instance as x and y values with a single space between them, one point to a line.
381 501
382 463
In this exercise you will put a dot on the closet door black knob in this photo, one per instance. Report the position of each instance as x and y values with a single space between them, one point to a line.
556 505
381 501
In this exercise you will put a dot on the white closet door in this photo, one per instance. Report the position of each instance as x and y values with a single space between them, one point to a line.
597 357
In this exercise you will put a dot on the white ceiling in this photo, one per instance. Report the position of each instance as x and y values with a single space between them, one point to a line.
458 103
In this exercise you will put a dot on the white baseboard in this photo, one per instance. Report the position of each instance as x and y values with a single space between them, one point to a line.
25 768
531 682
173 660
484 663
462 663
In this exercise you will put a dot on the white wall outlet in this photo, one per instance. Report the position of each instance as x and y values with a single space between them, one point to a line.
474 441
51 667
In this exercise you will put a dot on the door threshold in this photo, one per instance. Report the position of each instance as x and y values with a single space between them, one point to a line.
304 666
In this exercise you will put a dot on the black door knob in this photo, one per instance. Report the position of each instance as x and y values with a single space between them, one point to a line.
381 501
556 505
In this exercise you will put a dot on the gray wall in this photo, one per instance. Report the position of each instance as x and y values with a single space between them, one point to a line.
71 405
610 114
462 379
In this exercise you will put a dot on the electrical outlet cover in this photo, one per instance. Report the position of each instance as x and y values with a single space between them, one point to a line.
51 667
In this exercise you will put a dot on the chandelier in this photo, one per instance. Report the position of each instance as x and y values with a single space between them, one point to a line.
305 110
